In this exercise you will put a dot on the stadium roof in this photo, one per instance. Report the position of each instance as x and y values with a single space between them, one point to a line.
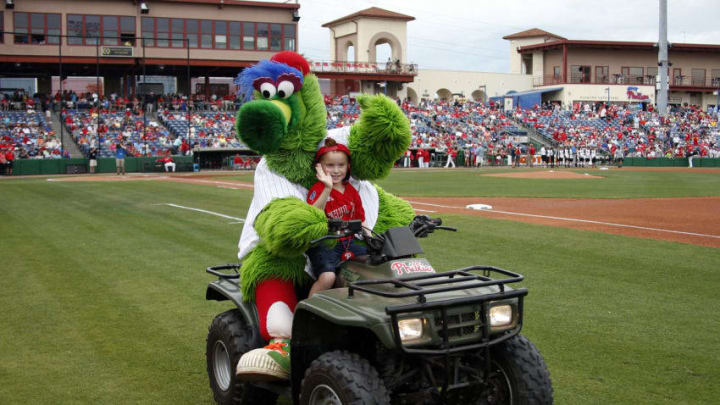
221 3
532 33
374 12
628 45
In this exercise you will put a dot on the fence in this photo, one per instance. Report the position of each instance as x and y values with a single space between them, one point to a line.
671 162
105 165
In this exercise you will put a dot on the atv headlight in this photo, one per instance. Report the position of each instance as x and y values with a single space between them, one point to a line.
501 315
410 329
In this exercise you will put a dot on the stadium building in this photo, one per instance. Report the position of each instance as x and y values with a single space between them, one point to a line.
177 46
573 71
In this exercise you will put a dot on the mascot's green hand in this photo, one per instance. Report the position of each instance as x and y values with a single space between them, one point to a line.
379 137
393 211
287 225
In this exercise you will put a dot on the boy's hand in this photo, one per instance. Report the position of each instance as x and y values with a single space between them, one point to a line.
322 176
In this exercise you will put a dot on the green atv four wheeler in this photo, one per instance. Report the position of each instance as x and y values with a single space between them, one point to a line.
397 333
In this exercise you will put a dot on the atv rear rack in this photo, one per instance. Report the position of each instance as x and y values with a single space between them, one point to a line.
417 284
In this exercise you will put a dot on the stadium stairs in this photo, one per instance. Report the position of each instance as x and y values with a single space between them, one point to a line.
533 135
67 140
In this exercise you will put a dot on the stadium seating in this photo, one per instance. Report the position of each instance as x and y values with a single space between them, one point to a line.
29 134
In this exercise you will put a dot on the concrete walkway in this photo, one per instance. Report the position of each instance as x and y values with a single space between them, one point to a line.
67 140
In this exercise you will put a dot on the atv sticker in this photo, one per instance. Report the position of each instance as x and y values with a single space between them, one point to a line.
411 266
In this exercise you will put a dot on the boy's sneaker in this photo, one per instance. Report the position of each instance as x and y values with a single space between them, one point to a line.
270 363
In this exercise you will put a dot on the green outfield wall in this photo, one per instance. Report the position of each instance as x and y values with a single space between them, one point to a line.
105 165
671 162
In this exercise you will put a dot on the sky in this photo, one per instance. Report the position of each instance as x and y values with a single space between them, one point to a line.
467 34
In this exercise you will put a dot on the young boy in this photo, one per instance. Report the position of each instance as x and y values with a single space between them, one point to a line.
339 199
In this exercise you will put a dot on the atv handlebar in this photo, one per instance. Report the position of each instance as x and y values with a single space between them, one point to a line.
338 228
422 225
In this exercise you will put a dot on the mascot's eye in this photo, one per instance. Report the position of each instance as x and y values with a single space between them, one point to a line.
267 90
285 89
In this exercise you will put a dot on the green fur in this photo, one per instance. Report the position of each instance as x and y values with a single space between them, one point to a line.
287 225
294 159
260 265
261 126
392 211
379 137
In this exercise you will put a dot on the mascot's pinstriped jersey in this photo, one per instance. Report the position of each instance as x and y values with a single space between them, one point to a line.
284 120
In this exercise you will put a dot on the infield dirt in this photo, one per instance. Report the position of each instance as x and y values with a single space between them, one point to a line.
688 220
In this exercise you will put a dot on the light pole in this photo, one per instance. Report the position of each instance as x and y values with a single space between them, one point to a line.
97 85
62 122
144 107
187 104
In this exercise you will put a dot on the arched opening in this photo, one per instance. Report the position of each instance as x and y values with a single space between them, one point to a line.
384 47
479 96
443 94
412 96
350 52
383 52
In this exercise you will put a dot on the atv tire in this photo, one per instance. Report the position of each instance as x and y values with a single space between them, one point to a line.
229 337
519 375
342 378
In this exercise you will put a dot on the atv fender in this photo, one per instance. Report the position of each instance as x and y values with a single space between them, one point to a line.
335 318
224 290
321 326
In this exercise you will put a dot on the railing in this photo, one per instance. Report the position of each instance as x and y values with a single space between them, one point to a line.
647 80
389 68
687 81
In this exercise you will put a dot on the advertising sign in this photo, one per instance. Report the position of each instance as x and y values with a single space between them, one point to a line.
117 51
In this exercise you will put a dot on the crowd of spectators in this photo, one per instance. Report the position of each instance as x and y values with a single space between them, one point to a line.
28 136
206 129
471 133
684 131
474 133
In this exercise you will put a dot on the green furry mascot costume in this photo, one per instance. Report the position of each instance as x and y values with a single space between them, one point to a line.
285 122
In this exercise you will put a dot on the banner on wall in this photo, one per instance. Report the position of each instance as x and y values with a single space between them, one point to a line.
508 104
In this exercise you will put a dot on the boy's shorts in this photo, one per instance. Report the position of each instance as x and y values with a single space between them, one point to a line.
327 260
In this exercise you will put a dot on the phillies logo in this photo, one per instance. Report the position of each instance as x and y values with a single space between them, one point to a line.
411 266
633 94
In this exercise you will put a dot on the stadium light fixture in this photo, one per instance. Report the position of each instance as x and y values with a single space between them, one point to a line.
144 9
9 3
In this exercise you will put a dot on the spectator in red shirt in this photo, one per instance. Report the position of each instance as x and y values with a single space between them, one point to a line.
10 158
531 155
167 162
451 158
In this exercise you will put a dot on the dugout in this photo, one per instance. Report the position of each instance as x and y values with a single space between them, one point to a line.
220 158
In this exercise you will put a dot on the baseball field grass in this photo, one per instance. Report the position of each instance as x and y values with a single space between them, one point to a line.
102 293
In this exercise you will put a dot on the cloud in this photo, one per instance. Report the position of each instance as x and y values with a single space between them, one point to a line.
467 34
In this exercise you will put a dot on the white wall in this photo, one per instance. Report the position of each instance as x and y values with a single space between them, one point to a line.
593 93
496 84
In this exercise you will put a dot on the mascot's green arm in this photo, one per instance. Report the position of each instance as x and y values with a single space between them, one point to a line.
287 225
379 137
393 211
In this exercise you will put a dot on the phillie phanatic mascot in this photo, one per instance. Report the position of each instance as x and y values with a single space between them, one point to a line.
284 120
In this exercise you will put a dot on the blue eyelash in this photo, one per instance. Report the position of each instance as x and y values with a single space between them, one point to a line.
264 68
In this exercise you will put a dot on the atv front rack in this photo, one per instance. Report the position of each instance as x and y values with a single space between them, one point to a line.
451 279
461 322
